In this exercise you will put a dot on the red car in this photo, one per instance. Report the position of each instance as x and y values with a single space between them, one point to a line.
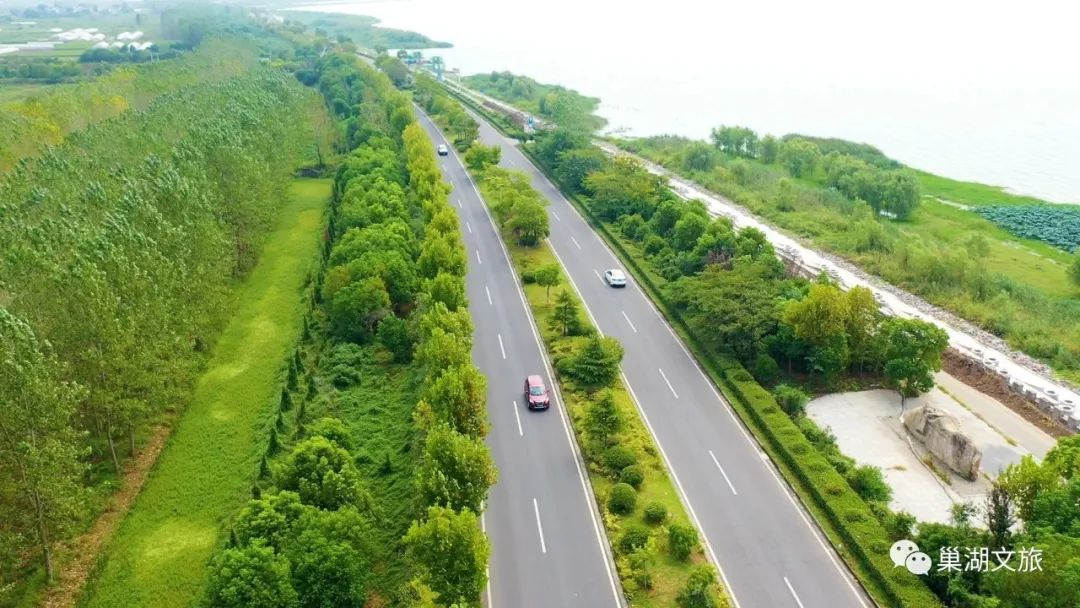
536 395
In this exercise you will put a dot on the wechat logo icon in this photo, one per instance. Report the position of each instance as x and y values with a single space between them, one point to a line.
906 553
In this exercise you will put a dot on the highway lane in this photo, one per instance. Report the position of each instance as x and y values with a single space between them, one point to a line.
547 546
768 551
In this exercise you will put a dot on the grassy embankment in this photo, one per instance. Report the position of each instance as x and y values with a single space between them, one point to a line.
159 555
667 573
1016 288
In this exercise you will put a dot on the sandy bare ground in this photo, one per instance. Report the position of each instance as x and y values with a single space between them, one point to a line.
80 553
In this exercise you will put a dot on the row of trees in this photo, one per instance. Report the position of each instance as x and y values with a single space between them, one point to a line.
393 282
105 239
855 172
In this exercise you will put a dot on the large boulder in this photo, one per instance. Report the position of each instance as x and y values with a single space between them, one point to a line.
940 433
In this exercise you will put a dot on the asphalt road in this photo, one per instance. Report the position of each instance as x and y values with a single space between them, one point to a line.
769 553
545 530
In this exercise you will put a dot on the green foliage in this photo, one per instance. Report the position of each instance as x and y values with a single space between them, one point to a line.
791 399
479 157
622 498
565 107
618 457
452 118
455 471
206 471
252 577
595 364
323 474
655 513
566 318
602 419
40 451
457 397
1058 225
516 205
700 589
633 475
548 276
634 537
737 141
393 334
799 156
333 429
868 482
682 540
452 553
912 353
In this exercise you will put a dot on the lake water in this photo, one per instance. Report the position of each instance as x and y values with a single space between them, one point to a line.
980 91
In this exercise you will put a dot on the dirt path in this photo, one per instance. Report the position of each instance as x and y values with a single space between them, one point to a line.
82 552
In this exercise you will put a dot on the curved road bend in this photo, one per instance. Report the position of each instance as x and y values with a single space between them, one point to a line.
769 553
546 541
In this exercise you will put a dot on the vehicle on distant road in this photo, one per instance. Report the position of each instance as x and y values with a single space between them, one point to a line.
615 277
536 395
443 150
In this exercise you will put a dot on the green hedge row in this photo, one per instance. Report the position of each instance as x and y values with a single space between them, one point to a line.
848 515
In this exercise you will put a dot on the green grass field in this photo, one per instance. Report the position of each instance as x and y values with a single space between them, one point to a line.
970 193
159 555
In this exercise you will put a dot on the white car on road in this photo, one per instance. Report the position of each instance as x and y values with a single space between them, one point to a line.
443 150
615 277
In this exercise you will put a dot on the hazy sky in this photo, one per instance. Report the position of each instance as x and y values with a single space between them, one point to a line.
988 91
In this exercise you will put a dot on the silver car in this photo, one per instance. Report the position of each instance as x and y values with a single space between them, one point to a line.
443 150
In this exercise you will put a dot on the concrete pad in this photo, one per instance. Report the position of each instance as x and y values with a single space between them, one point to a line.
868 428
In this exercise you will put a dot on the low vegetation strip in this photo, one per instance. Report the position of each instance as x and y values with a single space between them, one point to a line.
852 526
658 556
159 555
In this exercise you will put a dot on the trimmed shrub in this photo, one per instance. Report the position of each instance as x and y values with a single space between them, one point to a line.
618 457
655 513
633 475
528 277
633 537
622 499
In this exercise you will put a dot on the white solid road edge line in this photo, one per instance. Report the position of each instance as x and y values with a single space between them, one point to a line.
540 528
845 573
793 594
487 569
585 485
722 472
